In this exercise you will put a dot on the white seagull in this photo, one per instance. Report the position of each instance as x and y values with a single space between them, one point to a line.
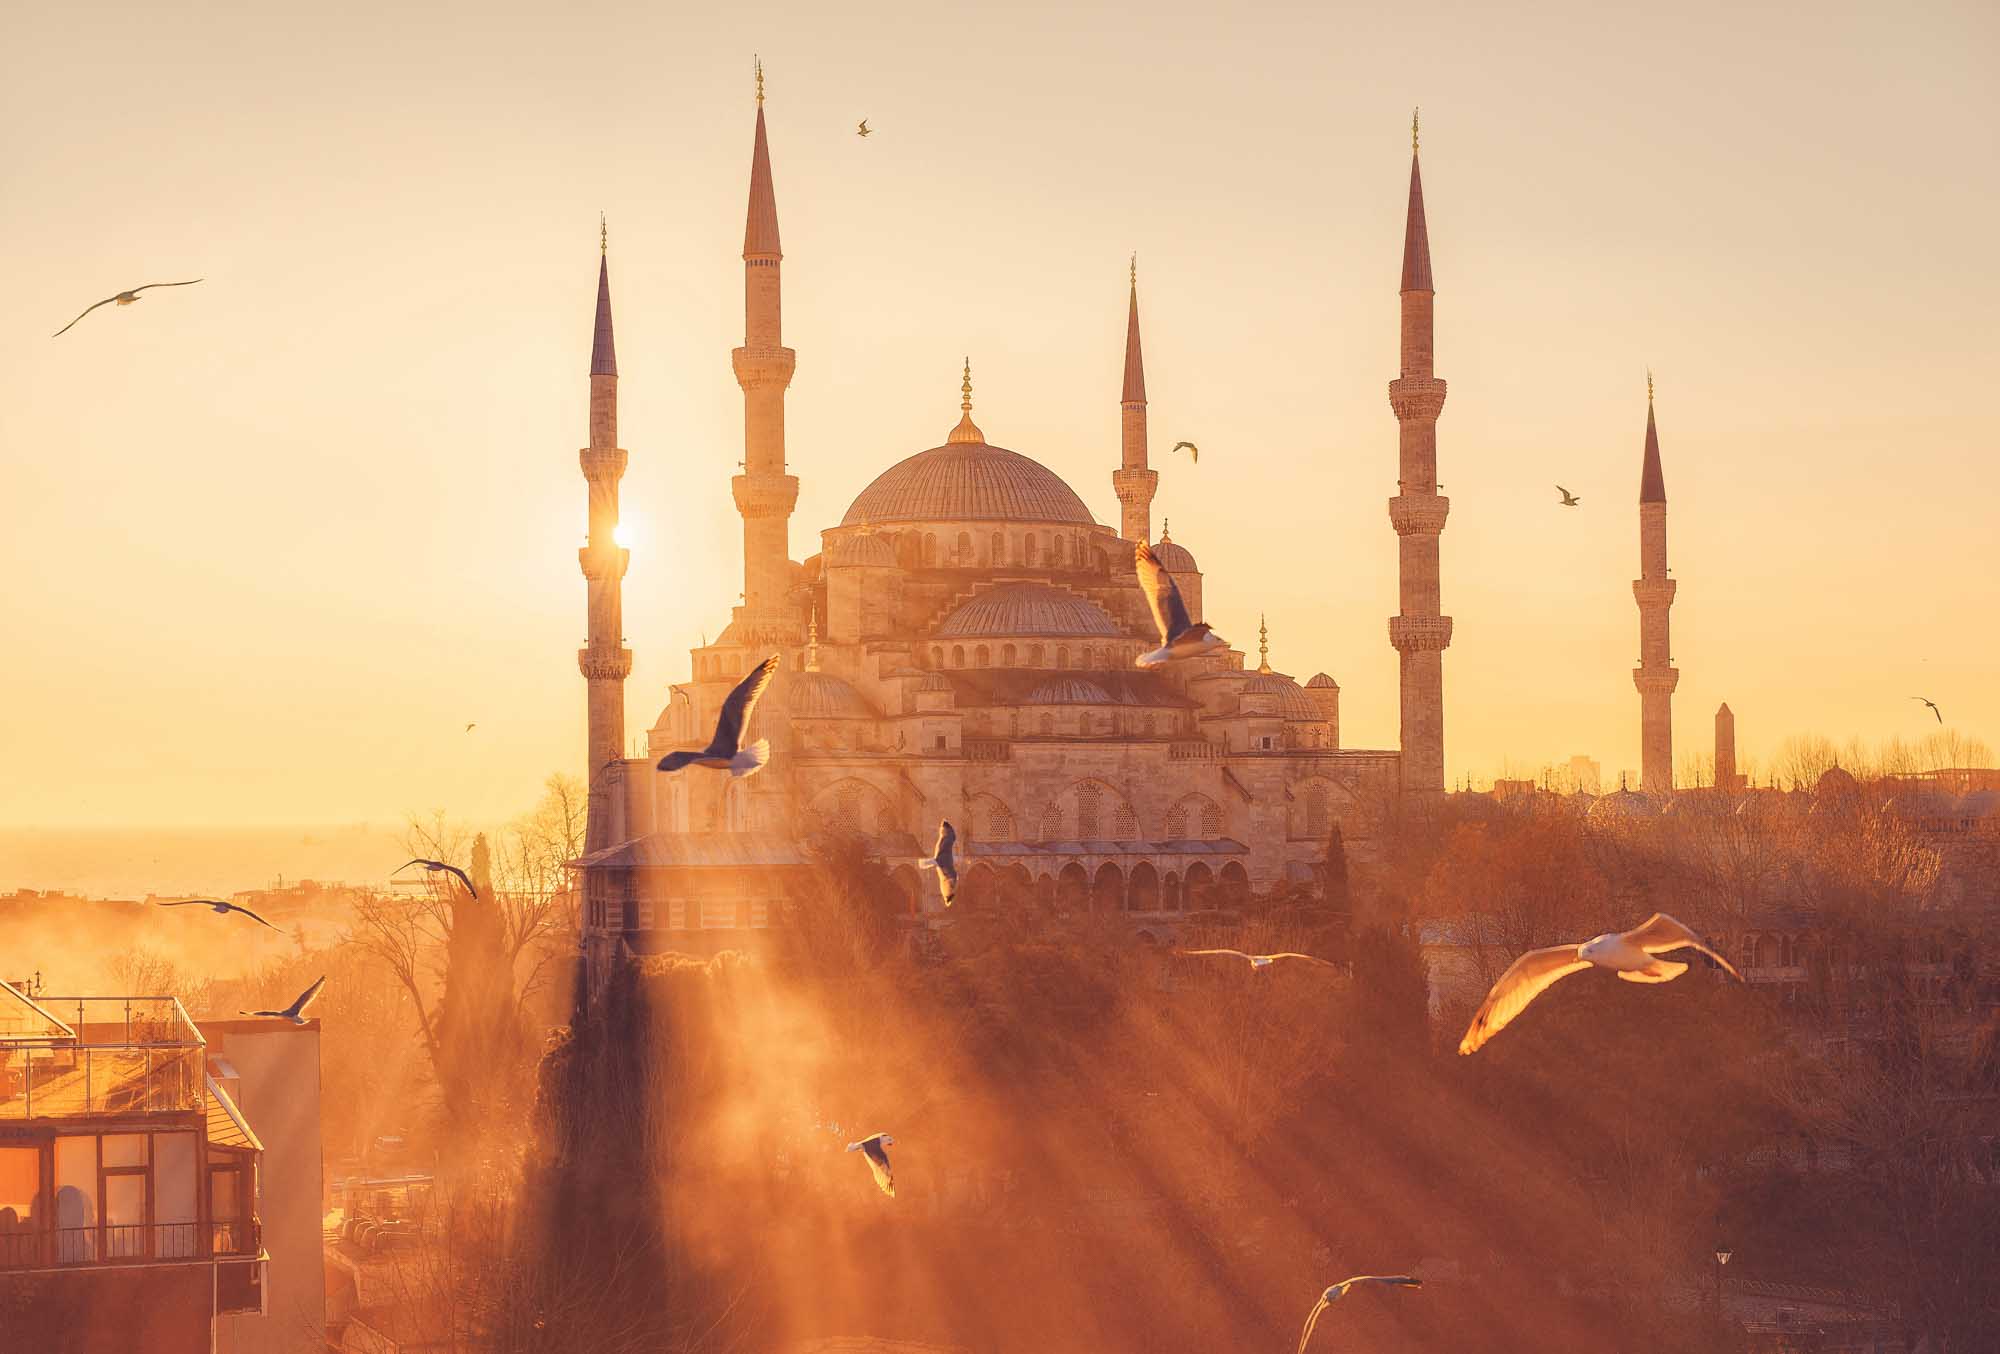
1179 637
123 298
1259 962
294 1012
724 751
434 866
217 905
941 861
1629 954
1340 1290
875 1148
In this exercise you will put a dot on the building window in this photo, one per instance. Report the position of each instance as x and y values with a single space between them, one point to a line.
1047 724
1062 655
1051 824
1034 655
1211 819
937 657
1126 826
939 744
981 657
1087 797
999 549
929 556
1177 822
964 548
999 824
958 655
1006 655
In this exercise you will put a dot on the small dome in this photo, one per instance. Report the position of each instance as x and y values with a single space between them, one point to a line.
968 481
1623 804
1835 781
934 681
1070 691
1293 702
1027 609
861 552
1175 558
817 695
1321 682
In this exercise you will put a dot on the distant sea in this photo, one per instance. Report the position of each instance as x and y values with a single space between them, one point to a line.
133 862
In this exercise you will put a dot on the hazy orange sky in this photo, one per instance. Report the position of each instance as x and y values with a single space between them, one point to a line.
273 540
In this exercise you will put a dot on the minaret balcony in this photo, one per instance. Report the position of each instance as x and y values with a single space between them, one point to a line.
1418 514
598 563
763 366
605 665
602 463
1135 486
1419 634
1416 397
765 495
1656 681
1652 592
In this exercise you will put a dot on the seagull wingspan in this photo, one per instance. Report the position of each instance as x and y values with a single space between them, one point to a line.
736 710
86 310
1309 958
233 907
1162 595
298 1007
1235 953
1306 1335
1660 933
1525 979
150 285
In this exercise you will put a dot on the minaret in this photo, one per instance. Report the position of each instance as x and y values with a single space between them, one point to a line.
604 660
1725 748
1655 676
764 492
1133 481
1421 632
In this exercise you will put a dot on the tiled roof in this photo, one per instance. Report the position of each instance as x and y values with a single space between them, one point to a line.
226 1125
968 481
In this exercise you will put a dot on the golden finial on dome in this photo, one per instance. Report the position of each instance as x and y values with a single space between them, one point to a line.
1166 530
603 235
812 643
1263 645
1135 267
757 63
1413 129
967 430
1649 387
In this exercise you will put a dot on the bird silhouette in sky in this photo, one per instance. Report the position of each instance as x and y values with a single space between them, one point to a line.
1259 962
725 750
876 1148
470 727
123 298
1630 954
1341 1290
1933 707
1179 637
296 1011
217 905
1570 500
862 130
1193 450
941 861
434 866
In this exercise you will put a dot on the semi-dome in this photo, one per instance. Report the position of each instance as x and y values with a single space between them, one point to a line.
818 695
1293 702
1070 691
1175 558
857 552
968 481
1027 609
1623 803
1321 682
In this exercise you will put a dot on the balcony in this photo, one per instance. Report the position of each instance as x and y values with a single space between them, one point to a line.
126 1244
98 1055
1192 750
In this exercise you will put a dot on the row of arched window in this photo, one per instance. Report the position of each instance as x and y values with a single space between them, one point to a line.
1055 550
1083 723
1083 658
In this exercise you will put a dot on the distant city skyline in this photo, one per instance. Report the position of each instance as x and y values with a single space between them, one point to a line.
281 537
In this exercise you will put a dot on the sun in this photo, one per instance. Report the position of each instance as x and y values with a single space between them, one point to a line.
622 535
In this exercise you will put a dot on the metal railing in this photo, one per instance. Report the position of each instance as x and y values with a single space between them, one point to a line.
122 1055
124 1244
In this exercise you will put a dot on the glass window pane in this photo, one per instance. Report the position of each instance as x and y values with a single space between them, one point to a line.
226 1203
76 1199
124 1149
176 1222
20 1184
124 1215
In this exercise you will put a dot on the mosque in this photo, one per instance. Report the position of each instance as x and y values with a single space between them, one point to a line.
960 646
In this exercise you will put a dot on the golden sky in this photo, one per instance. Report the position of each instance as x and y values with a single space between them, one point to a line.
273 540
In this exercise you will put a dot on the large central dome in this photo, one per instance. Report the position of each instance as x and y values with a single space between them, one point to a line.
968 481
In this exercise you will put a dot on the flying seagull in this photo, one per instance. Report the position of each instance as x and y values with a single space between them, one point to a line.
1179 637
1341 1289
724 751
876 1149
1259 962
1933 705
941 861
1193 450
1570 500
294 1012
1630 955
862 130
123 298
470 727
219 906
433 866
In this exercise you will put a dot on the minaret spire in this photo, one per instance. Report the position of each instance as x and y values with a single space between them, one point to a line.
967 430
764 493
1134 481
1421 632
604 660
1656 677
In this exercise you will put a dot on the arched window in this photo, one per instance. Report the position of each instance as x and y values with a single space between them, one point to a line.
1006 655
981 657
958 655
1028 548
1177 822
1125 826
1087 797
1034 655
1051 824
937 656
930 550
964 548
1062 655
999 823
1047 724
999 548
847 809
1211 819
1316 817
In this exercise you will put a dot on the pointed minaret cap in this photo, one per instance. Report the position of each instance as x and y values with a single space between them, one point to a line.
1416 234
1652 483
1723 709
603 351
760 229
1135 362
967 430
